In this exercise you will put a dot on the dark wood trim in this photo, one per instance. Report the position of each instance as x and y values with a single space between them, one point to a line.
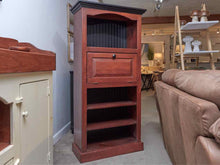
94 5
72 100
170 19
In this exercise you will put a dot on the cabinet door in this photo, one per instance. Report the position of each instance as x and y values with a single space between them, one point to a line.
111 68
34 123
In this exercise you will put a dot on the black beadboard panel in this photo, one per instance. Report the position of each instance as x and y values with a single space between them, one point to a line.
102 95
106 33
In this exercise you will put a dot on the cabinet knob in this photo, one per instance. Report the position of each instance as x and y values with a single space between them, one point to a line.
114 56
25 114
17 162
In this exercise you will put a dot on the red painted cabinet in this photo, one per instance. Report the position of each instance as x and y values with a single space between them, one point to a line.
107 80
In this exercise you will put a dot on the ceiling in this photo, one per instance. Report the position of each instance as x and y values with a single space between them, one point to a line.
168 6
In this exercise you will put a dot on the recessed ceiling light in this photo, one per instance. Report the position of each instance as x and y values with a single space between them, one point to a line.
218 31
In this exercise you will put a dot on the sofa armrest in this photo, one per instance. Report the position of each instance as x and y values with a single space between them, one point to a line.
215 130
184 119
207 151
196 117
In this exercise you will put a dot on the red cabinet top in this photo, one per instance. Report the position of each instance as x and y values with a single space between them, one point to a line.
16 57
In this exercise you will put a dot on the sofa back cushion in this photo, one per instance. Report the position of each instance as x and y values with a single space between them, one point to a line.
169 76
202 84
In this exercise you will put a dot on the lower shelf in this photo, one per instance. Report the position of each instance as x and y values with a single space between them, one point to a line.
3 145
110 124
111 105
110 143
100 150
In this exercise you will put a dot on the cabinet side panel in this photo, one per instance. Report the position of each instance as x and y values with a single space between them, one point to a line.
78 79
139 79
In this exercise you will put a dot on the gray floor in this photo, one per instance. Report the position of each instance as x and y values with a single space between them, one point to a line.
153 154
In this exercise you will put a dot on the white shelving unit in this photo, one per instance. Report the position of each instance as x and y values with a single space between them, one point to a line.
199 25
192 27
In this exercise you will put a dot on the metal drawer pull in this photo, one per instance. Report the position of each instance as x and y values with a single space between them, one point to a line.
114 56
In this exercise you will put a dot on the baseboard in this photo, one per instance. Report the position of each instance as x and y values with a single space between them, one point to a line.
61 132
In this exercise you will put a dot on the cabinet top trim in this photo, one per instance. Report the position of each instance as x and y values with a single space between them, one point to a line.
88 4
18 57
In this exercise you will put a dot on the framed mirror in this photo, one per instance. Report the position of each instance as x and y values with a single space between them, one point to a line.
70 33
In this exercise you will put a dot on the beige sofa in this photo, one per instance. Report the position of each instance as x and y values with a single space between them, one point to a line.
188 104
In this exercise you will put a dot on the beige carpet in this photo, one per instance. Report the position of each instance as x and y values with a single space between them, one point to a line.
154 152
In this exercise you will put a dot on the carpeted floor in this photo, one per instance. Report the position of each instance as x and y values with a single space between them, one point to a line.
154 152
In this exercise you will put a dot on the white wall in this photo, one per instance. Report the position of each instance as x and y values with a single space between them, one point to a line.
44 24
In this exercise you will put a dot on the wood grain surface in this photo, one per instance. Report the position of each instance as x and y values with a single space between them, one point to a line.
18 57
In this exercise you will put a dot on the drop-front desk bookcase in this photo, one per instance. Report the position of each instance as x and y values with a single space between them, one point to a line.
107 92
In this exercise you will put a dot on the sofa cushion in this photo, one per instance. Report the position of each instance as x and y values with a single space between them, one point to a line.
169 76
207 151
215 130
202 84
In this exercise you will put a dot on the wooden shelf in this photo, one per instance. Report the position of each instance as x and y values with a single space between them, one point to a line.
200 53
3 145
111 105
110 143
110 124
199 25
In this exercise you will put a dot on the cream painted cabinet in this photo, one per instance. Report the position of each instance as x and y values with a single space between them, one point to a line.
26 117
29 97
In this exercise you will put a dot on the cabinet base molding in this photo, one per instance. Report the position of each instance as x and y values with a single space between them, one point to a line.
106 152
